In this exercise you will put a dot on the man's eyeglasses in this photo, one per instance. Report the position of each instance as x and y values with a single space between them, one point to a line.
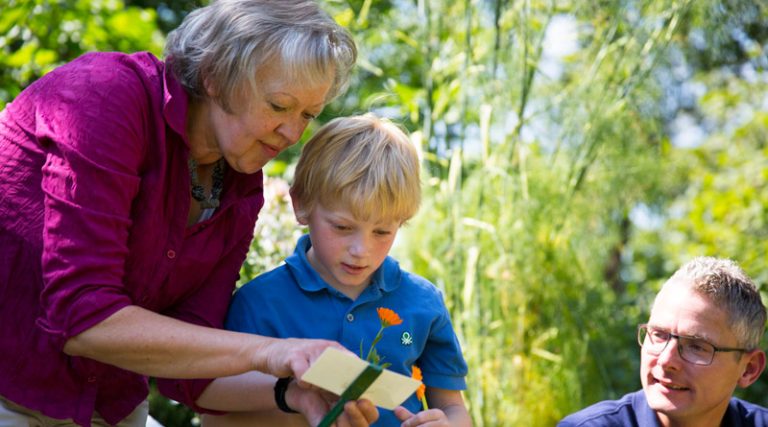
691 349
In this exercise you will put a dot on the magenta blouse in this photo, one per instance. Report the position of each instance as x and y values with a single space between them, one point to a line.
94 199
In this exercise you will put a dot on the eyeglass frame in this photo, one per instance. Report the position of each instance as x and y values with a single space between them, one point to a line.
644 326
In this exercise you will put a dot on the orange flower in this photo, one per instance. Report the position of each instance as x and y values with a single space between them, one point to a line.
388 317
416 375
420 392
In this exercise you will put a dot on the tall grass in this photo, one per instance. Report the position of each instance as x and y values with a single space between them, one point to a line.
522 236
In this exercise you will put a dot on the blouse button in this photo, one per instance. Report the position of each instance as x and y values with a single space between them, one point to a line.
171 254
350 317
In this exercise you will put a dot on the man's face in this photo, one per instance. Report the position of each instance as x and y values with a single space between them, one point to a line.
679 391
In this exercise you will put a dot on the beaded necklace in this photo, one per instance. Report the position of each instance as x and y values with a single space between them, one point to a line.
198 192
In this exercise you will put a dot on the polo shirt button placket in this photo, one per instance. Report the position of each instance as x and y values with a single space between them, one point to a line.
350 317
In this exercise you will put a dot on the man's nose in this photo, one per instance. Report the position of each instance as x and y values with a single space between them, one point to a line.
670 356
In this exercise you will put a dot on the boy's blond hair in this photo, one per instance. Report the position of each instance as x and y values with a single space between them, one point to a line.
364 164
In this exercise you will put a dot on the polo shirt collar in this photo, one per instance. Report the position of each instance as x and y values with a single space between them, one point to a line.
645 415
385 279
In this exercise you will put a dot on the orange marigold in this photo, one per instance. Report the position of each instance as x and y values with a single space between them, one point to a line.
388 317
416 375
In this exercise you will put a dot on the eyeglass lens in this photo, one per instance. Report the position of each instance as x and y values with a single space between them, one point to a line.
692 350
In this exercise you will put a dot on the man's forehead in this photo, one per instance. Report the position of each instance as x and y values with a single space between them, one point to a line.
681 310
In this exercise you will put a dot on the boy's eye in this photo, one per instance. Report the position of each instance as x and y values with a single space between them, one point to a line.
383 232
309 117
277 108
340 227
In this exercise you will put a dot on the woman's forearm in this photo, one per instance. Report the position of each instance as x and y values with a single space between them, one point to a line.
151 344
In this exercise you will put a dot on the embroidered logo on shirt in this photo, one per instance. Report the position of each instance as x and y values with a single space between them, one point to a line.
406 338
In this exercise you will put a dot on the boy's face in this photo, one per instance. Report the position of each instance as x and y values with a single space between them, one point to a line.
346 251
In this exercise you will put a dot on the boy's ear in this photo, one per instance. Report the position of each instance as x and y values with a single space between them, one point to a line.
301 215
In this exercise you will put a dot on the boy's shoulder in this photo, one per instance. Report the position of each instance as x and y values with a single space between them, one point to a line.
412 281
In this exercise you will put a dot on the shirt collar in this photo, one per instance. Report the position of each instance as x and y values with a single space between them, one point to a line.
385 279
175 103
645 415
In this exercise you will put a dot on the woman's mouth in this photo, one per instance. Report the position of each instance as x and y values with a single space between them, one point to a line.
270 150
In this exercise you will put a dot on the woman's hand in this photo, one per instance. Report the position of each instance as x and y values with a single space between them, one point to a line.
290 357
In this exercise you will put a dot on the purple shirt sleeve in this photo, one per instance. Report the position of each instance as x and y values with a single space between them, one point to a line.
93 212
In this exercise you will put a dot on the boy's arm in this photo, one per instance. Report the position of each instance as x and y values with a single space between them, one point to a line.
250 400
251 391
446 408
451 403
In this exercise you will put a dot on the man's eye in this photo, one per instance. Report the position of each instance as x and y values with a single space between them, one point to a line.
697 346
658 335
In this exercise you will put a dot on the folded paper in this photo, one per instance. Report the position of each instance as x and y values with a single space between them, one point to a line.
336 371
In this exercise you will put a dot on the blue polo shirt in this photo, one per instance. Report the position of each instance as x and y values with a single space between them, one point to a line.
293 301
633 410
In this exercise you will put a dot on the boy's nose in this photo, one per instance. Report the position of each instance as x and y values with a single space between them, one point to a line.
359 247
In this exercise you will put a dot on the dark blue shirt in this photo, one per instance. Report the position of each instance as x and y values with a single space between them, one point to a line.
293 301
633 410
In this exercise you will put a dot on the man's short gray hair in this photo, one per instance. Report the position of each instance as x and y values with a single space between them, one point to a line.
728 286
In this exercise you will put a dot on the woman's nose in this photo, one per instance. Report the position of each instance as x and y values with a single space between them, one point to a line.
292 130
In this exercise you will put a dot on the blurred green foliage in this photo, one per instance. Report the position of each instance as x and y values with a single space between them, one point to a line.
575 154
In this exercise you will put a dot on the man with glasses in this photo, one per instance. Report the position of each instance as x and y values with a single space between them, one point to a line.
702 341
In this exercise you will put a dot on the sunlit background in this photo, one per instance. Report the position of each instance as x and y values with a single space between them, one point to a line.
575 154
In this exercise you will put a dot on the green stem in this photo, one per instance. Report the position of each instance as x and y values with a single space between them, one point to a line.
373 344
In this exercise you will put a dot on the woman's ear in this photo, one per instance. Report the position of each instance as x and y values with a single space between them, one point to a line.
754 367
210 89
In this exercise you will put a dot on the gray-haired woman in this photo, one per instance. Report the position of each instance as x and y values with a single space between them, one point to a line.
129 189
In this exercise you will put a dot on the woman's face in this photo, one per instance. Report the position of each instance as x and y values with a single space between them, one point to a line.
274 119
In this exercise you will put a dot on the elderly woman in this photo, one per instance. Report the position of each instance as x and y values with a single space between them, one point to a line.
129 190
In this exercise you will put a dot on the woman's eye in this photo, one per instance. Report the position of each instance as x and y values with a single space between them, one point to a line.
277 108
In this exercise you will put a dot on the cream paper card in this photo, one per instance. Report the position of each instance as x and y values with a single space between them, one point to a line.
335 370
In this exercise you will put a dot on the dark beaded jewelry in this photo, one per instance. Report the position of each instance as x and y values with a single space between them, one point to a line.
198 192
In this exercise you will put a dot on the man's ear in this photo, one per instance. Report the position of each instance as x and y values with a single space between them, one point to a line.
301 215
753 369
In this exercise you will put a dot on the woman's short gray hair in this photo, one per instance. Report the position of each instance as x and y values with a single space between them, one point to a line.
223 45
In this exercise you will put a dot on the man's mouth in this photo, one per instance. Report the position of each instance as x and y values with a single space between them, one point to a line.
671 386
